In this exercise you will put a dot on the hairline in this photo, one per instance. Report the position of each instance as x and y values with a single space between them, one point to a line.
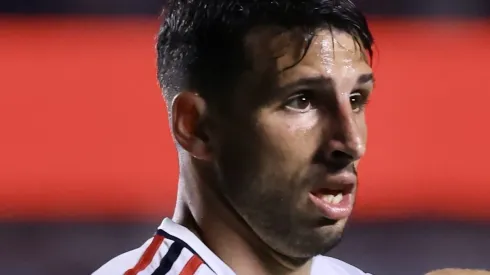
309 36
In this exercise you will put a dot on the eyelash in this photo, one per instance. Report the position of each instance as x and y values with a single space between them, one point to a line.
364 100
310 96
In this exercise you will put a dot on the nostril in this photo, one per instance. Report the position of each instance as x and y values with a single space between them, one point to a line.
337 154
341 155
338 160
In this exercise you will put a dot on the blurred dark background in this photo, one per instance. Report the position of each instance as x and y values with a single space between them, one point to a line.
469 8
87 167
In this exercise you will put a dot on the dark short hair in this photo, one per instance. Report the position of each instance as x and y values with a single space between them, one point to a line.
200 45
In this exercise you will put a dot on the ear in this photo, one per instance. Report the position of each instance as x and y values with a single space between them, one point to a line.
188 116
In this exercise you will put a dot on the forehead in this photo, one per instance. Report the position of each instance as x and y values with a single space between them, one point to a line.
331 54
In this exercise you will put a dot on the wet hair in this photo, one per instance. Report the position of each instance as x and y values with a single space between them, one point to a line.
200 45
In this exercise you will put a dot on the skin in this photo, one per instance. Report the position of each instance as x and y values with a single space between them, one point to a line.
246 175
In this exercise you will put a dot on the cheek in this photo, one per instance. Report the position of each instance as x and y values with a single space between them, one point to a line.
362 126
298 123
292 136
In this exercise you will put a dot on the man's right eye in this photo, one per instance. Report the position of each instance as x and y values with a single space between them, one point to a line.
299 102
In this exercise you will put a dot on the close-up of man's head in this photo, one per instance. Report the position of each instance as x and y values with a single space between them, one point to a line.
268 98
244 137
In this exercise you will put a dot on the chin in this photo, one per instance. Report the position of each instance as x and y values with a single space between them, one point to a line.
318 241
329 236
328 227
322 246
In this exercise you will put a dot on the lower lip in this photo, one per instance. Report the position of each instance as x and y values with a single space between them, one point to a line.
338 211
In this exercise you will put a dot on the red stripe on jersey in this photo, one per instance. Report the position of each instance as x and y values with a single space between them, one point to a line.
191 266
147 256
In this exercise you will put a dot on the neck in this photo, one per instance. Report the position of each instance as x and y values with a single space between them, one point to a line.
208 216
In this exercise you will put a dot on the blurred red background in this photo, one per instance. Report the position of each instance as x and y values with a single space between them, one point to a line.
84 127
88 168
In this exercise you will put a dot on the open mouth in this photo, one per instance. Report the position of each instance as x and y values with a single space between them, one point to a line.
332 196
335 203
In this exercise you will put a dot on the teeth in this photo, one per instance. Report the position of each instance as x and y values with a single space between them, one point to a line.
329 198
333 199
338 198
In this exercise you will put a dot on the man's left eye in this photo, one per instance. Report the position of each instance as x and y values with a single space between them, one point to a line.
357 101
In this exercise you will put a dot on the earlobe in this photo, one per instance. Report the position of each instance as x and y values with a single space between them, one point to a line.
188 115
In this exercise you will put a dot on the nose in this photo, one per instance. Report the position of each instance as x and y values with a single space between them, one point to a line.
346 138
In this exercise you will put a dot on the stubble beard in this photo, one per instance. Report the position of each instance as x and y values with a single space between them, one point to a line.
273 213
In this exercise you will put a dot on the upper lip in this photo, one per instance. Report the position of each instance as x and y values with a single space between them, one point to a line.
344 181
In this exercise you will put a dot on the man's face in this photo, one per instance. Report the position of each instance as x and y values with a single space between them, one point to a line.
287 152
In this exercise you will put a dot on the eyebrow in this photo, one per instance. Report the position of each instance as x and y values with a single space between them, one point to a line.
365 78
309 81
326 81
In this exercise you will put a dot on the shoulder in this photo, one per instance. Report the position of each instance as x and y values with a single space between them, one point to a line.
321 264
120 264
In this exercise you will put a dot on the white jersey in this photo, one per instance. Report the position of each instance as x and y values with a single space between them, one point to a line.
175 250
